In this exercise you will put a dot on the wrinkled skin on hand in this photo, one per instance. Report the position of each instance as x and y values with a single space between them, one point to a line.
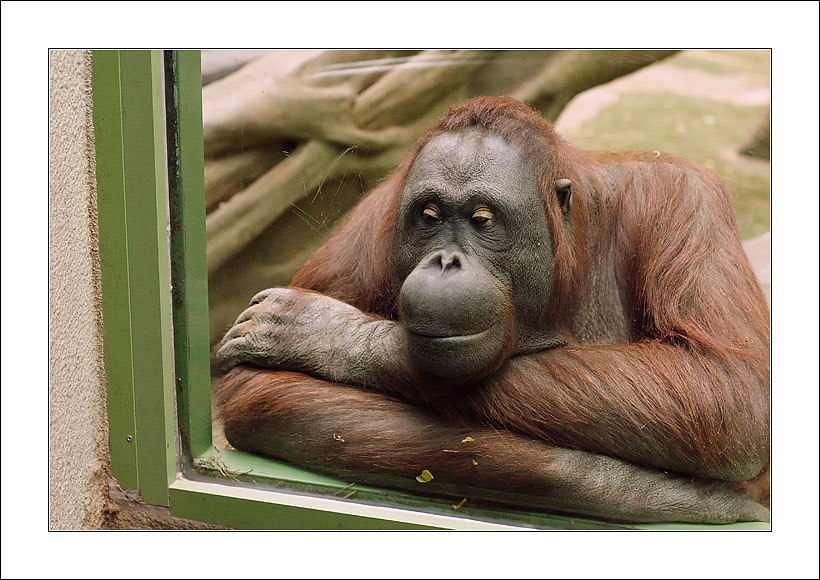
304 331
280 328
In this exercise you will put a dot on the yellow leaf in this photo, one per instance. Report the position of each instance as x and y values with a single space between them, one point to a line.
467 439
424 477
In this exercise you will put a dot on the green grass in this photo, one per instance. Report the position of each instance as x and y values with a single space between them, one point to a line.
754 63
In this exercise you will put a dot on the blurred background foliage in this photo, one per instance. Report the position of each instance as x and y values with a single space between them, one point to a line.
294 139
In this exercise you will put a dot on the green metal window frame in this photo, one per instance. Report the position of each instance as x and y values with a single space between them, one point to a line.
151 212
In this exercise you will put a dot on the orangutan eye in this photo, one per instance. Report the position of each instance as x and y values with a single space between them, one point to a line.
431 214
483 217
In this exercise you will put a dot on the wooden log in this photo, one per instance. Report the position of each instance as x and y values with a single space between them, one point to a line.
411 88
285 97
225 176
243 217
239 220
357 68
570 72
217 64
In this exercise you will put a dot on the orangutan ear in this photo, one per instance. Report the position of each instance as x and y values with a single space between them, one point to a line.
563 189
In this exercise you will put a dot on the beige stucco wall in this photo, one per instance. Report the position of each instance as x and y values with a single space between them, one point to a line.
78 428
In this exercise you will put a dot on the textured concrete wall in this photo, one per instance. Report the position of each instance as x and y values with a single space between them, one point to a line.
78 427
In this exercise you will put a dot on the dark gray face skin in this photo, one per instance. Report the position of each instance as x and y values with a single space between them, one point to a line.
471 255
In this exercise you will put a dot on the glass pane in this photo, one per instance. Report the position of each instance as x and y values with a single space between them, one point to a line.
294 139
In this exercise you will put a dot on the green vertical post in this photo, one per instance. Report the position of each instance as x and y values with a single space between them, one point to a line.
116 302
149 275
188 258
